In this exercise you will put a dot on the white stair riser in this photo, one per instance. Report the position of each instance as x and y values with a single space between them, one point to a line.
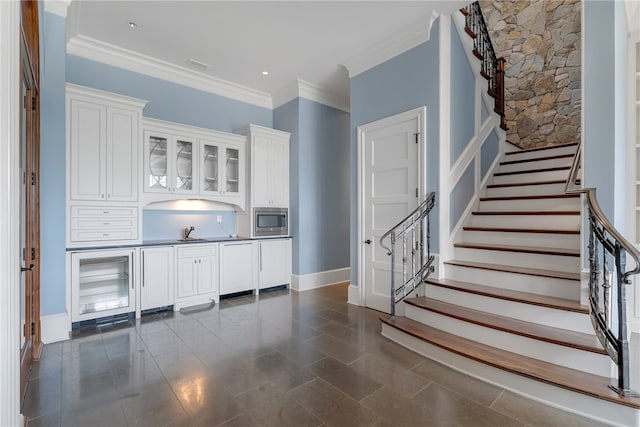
560 288
555 318
552 353
541 153
541 240
563 204
526 190
531 177
568 264
535 164
537 222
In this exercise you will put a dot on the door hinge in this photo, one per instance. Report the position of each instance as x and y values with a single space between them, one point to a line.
416 193
24 101
33 254
24 254
417 137
33 329
33 178
33 103
24 177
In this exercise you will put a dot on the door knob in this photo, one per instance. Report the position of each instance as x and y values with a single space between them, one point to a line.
368 241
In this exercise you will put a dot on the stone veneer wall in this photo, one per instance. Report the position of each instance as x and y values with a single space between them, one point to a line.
540 40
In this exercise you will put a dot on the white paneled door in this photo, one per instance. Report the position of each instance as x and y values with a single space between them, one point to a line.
390 170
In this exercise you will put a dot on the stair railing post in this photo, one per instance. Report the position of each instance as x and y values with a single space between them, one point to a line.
393 276
500 91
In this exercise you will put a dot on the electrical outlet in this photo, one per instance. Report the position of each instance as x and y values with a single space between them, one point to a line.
219 219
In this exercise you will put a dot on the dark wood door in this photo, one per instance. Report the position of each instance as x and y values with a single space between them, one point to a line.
31 345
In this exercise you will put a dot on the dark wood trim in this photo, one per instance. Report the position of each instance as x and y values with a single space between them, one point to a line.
520 249
521 172
534 197
538 159
543 213
470 33
464 11
523 184
477 55
546 147
521 230
516 270
570 379
561 337
511 295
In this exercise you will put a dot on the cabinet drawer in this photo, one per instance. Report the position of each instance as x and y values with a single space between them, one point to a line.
105 223
99 235
196 251
103 212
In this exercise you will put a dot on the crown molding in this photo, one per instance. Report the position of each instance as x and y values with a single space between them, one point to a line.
384 50
106 53
57 7
304 89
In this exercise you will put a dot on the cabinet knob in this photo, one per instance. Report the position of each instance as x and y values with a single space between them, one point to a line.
102 196
195 261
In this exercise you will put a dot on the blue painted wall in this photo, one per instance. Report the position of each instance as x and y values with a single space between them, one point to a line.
463 104
52 166
407 81
287 118
461 194
599 116
488 153
167 100
319 177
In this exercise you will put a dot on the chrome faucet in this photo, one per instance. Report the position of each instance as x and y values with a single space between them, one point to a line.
187 232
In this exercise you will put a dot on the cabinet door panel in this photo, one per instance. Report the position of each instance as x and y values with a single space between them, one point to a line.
208 278
274 262
187 285
157 279
279 182
122 155
260 172
185 152
156 162
88 151
236 273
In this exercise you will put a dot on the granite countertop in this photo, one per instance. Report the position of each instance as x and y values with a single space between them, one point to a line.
175 242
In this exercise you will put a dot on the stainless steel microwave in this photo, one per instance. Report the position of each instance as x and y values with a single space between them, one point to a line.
270 222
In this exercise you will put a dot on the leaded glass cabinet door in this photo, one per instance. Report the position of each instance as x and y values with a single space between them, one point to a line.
232 170
210 170
156 160
185 150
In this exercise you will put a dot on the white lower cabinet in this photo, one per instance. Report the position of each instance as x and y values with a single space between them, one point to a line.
237 273
157 288
197 267
274 262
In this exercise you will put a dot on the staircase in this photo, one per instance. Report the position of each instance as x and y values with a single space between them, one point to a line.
507 309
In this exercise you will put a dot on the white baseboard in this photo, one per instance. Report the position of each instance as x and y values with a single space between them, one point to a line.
306 282
354 295
55 327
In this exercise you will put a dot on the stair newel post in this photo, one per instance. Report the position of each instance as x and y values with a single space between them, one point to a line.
393 275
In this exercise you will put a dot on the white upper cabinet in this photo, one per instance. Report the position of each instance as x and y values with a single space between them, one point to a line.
103 133
269 170
169 164
183 161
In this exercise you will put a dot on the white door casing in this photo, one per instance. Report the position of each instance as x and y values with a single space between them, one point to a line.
392 182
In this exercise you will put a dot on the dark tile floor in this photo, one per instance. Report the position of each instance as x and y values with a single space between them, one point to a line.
282 359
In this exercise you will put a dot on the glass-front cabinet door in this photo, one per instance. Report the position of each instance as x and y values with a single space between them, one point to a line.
232 170
168 163
222 169
210 168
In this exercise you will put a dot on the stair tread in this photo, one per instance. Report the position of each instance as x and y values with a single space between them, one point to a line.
537 159
525 213
523 184
516 270
567 378
538 170
522 230
549 334
511 295
547 147
533 197
523 249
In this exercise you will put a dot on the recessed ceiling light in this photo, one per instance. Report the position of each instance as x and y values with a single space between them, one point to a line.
133 24
265 73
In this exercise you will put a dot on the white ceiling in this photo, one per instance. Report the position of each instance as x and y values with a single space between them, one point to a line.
307 40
